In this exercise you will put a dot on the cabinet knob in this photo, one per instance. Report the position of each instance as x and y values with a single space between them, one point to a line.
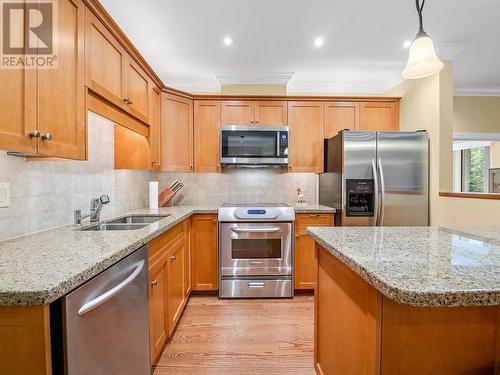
154 282
130 102
256 120
314 215
173 257
47 137
251 121
35 134
214 221
191 166
153 161
126 100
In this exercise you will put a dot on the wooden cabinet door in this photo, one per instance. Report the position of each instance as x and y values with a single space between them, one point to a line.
176 134
340 116
204 253
131 149
206 136
305 121
105 60
61 114
154 127
136 90
158 314
238 112
379 116
18 110
306 262
271 113
175 293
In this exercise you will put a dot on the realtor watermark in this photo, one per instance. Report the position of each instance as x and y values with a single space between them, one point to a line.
28 34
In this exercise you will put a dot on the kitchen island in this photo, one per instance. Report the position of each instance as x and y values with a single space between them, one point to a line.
407 300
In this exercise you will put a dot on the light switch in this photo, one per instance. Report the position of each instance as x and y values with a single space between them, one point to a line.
4 195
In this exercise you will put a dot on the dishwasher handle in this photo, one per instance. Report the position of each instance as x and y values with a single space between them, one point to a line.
99 300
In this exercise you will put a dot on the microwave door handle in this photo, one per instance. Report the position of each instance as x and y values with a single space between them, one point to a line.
278 144
256 230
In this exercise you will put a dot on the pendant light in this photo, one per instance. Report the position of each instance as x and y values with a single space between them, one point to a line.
422 60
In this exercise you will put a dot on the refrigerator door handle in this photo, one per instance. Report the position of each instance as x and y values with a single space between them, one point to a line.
376 203
382 193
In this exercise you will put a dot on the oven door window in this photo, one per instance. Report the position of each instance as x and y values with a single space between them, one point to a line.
249 144
265 248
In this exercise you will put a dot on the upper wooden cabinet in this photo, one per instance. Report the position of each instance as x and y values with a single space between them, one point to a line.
340 116
43 110
154 127
204 252
207 135
112 73
132 150
379 116
176 133
305 120
248 112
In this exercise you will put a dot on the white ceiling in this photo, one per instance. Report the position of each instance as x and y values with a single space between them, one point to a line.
273 42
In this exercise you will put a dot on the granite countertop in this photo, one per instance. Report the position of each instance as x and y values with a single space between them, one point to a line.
422 266
314 209
39 268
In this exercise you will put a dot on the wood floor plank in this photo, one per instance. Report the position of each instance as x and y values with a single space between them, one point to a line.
244 337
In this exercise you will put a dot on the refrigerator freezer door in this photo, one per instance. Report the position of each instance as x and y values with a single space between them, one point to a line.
360 152
402 161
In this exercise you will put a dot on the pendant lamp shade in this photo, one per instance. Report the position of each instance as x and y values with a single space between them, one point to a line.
422 60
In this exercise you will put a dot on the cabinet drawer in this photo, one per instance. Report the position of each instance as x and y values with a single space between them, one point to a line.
302 221
159 244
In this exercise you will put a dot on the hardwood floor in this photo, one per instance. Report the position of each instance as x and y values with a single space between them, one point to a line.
242 337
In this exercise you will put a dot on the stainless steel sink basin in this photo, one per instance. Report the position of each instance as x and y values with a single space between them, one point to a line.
107 226
138 219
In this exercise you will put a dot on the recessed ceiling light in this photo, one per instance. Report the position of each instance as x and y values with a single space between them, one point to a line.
228 40
407 44
318 42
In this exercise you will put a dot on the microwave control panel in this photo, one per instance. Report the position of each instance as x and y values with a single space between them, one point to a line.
283 143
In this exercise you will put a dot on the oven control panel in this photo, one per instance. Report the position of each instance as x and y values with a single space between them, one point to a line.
243 213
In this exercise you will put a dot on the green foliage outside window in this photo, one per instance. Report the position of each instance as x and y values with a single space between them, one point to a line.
476 170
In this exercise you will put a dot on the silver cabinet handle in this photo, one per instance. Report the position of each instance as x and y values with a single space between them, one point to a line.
173 257
256 285
130 102
35 134
154 282
376 203
106 296
256 262
126 100
256 230
47 137
382 192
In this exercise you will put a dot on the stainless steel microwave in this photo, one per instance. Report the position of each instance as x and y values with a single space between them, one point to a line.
254 145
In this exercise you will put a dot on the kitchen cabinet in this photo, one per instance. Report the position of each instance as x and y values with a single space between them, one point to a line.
132 150
207 135
112 73
340 116
168 255
176 133
248 112
306 262
204 242
45 108
305 121
379 116
154 127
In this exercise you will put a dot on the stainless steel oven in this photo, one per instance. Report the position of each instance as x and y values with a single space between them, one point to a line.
256 251
254 145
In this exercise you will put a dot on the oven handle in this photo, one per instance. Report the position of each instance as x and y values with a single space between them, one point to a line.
256 230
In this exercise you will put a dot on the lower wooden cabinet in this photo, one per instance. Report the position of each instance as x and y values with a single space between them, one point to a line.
204 252
306 262
168 286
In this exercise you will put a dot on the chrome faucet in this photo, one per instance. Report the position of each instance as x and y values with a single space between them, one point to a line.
95 210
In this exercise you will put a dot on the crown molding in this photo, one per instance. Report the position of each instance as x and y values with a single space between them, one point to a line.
476 91
373 88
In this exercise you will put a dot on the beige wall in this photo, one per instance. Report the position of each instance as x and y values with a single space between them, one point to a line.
476 114
495 155
427 104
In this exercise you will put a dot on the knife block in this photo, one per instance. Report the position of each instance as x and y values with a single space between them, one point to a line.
165 197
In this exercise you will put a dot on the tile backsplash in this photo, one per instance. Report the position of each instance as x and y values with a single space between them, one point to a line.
242 185
43 194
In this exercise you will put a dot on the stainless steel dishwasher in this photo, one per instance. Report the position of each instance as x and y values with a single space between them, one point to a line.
105 321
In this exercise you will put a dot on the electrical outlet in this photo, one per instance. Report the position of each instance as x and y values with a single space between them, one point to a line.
4 195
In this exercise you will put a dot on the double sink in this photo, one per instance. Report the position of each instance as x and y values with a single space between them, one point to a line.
132 222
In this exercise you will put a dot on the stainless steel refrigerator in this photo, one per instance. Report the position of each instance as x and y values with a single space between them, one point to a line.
377 178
